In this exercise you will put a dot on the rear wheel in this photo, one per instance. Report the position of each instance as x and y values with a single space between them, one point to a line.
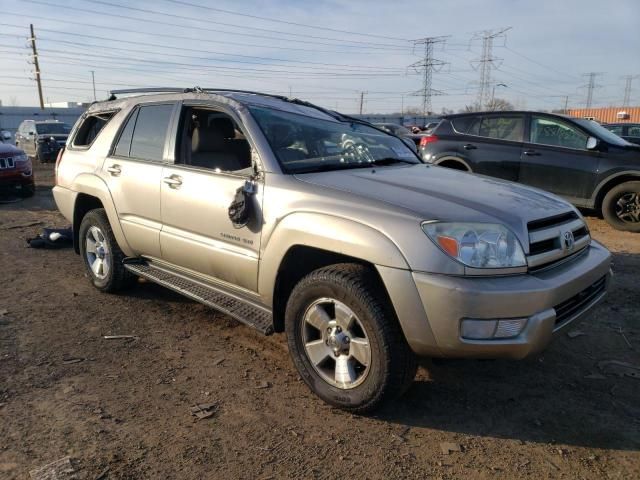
344 339
101 254
621 207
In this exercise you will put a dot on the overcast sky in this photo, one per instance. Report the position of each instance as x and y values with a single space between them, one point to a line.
343 48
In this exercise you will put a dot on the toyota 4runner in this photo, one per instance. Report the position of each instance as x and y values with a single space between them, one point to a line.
292 218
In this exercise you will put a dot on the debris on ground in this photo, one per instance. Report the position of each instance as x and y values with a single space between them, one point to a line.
59 470
22 225
120 337
3 312
263 384
52 238
102 474
575 333
218 361
204 410
449 447
621 369
70 360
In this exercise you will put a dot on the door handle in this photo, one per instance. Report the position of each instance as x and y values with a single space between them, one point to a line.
469 146
174 181
531 153
114 170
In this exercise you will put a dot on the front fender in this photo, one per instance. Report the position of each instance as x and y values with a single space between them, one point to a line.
325 232
95 186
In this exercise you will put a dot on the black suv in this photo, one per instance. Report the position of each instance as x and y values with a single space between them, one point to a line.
42 139
575 158
629 131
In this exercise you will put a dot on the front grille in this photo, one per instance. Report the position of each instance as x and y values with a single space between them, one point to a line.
555 238
576 304
6 162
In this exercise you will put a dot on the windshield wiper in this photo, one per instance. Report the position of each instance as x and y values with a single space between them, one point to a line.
331 166
391 160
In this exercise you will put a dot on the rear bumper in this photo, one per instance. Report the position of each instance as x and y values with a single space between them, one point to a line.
65 201
550 301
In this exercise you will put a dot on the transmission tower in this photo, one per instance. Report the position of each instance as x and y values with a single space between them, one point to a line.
590 86
628 79
487 62
428 65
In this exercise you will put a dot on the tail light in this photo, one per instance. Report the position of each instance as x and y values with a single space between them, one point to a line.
427 139
58 160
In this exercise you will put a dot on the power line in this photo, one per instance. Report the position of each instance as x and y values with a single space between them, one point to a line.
283 21
428 65
487 62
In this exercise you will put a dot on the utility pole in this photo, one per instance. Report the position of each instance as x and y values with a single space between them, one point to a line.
591 86
487 62
427 66
37 65
93 80
628 79
361 101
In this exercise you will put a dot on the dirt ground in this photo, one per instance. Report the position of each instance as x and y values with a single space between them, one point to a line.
121 408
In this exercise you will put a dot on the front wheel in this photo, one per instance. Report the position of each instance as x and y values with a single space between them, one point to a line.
101 254
621 207
344 339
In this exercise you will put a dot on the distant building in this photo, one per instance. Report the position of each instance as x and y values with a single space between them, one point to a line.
607 114
84 105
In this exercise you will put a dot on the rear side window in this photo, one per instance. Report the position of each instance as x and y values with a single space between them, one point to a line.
462 124
507 127
90 128
144 134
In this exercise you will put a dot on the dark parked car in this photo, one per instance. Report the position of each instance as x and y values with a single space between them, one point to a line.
575 158
400 131
16 173
42 139
629 131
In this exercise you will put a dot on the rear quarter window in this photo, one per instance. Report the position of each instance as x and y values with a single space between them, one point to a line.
90 127
462 124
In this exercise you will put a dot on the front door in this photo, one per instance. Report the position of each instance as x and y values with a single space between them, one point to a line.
556 158
213 161
133 172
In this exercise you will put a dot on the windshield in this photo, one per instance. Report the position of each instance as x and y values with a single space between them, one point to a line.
306 144
52 128
602 133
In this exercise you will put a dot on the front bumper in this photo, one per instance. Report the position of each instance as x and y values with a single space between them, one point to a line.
550 300
16 180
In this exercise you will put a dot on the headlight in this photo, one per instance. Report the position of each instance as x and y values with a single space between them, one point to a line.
477 245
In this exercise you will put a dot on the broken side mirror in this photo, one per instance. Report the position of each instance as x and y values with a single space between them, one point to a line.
242 208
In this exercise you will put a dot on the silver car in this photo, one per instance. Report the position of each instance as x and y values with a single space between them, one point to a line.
292 218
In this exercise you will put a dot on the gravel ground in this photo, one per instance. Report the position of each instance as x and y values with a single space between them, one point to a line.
122 408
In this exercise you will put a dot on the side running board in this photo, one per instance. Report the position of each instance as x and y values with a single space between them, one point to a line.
245 312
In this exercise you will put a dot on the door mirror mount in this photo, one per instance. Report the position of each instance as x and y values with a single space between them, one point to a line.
592 143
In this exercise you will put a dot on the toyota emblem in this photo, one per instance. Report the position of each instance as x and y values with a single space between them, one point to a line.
568 241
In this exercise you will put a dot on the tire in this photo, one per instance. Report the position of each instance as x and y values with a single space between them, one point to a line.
621 206
391 363
28 190
112 277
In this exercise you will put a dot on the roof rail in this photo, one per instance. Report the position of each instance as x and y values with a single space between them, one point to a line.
147 90
187 90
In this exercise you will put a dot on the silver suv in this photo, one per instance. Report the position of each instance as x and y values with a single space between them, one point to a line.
292 218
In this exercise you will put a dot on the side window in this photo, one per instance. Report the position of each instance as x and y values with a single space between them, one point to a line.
634 131
462 124
549 131
617 129
124 142
150 132
212 140
507 127
90 127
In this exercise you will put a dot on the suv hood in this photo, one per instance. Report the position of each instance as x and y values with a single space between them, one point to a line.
437 193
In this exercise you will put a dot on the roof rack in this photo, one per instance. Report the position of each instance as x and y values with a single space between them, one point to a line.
188 90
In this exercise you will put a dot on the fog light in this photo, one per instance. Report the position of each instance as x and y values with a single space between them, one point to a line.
476 329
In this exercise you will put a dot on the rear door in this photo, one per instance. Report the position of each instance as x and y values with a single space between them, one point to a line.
492 143
133 172
555 158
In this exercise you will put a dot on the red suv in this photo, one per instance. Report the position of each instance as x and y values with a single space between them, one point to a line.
16 172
